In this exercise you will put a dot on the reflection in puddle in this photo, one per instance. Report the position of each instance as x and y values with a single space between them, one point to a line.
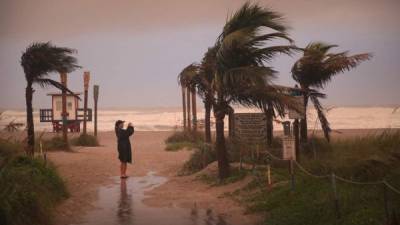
122 204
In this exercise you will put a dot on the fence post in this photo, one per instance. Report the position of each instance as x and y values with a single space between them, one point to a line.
386 203
291 168
336 200
269 181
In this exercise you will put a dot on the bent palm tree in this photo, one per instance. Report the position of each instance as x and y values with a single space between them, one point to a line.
240 70
38 60
203 81
315 69
186 80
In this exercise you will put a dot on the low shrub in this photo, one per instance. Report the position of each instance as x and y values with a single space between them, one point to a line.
182 136
54 143
29 189
175 146
203 155
85 140
183 139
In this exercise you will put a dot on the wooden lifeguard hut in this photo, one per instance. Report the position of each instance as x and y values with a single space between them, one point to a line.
74 114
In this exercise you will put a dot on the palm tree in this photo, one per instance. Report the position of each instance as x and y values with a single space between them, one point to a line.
38 61
186 80
240 70
315 69
203 81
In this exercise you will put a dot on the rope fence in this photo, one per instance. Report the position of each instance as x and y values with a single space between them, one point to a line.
332 178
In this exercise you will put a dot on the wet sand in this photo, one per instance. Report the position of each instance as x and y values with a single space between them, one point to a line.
86 170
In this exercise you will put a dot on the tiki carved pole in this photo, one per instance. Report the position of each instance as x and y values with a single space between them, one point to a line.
64 113
86 78
96 98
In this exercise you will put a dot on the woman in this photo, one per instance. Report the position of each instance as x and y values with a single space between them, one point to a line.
124 145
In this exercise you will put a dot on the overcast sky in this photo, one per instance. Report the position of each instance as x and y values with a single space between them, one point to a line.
135 49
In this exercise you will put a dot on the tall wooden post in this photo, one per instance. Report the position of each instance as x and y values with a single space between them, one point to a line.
95 98
189 122
184 107
296 138
194 109
64 113
86 78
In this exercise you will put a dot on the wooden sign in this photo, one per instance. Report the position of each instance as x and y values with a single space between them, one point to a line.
289 151
250 128
293 114
86 78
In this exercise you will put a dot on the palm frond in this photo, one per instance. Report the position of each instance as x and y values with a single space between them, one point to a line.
44 82
40 59
318 66
253 16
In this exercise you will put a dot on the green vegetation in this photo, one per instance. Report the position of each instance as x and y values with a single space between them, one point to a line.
183 139
364 159
29 188
54 143
85 140
203 155
213 180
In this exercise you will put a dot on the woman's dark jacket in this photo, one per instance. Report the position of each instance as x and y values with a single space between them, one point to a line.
124 145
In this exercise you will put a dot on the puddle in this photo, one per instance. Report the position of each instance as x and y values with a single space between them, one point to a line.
122 204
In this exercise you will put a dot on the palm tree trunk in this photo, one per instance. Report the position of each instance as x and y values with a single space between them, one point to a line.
207 120
184 107
189 120
270 126
222 157
303 122
231 123
29 120
194 109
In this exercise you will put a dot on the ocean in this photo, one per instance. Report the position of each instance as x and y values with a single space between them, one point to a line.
170 118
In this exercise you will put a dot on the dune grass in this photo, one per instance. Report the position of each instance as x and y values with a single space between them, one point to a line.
86 140
183 139
370 158
29 188
203 155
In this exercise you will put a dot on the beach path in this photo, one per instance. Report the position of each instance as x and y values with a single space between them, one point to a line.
88 168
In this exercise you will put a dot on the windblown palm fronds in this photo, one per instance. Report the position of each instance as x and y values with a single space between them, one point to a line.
315 69
38 61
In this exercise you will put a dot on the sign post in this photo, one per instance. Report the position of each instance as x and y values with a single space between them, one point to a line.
289 152
86 78
96 98
293 114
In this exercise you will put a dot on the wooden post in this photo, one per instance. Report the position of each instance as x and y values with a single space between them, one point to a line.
64 113
269 181
184 107
335 195
291 174
189 122
86 78
96 98
194 109
296 134
386 204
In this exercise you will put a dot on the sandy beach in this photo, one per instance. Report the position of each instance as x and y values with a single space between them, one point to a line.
87 169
